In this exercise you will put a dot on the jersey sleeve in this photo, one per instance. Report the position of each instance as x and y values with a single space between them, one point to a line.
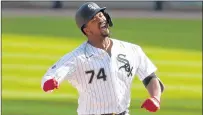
63 69
145 65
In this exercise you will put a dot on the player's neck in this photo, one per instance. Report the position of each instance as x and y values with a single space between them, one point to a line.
103 43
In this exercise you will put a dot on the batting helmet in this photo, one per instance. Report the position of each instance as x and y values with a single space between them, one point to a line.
87 11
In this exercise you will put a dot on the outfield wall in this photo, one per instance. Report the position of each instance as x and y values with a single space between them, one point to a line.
147 5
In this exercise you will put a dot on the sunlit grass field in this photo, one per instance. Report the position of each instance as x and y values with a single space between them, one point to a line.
31 45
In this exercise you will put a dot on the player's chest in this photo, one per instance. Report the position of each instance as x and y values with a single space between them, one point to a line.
123 63
120 66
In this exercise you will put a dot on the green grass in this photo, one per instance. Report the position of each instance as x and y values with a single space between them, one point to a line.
173 33
28 50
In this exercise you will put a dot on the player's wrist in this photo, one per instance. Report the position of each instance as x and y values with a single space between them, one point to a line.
156 98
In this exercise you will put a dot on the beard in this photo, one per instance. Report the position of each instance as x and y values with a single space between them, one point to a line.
104 30
105 33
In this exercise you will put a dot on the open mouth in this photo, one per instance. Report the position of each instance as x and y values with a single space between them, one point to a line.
103 25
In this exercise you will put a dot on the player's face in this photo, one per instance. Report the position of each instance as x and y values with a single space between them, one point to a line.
98 26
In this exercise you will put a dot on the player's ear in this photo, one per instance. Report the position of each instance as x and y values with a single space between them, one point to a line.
87 31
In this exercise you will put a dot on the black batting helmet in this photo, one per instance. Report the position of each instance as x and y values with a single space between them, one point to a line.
87 11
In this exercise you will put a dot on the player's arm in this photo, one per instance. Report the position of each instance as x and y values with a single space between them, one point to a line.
146 73
153 85
56 74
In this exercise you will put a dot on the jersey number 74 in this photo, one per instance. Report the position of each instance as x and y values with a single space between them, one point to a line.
100 75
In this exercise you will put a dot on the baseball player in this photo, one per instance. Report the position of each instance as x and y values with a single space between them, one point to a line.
102 68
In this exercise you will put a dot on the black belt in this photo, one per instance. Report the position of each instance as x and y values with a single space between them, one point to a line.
123 113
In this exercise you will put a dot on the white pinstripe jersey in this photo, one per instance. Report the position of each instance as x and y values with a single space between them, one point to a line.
103 82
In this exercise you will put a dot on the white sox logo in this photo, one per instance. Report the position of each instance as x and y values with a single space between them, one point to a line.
126 66
91 7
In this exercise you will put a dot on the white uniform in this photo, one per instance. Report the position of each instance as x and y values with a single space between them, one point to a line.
103 81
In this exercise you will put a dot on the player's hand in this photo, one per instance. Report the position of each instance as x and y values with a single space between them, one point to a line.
151 104
50 84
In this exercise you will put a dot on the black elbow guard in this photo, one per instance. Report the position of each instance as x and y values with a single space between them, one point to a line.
161 85
148 79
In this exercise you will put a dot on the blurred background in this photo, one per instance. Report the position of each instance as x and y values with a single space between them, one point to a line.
36 34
